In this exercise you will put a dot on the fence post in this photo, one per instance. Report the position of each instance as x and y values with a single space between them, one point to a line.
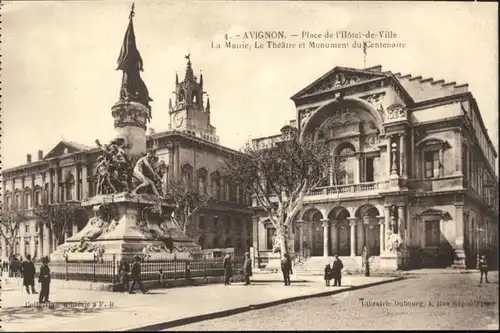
205 269
67 277
93 267
114 267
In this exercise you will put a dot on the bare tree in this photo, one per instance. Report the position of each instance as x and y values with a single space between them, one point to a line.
280 177
11 222
59 218
189 199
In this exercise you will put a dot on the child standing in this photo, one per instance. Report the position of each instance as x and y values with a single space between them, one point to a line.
483 268
328 274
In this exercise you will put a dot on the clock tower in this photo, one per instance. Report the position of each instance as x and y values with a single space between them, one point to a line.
189 113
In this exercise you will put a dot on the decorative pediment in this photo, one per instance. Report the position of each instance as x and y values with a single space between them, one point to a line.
337 78
436 212
66 147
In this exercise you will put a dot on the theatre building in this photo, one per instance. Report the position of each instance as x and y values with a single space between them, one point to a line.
418 162
190 148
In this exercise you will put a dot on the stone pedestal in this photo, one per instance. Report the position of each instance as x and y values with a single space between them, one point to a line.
125 225
459 259
391 261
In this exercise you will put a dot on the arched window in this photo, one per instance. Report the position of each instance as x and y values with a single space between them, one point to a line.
187 174
216 185
202 180
27 249
346 158
17 248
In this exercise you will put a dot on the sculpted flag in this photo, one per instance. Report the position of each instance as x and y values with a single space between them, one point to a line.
130 62
129 59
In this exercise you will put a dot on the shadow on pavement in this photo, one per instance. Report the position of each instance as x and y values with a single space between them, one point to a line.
23 313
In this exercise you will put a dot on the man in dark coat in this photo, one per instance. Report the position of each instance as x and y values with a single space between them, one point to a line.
123 272
286 268
44 279
228 269
247 268
28 271
337 271
136 276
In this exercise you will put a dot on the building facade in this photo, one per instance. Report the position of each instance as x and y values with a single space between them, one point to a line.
190 149
418 161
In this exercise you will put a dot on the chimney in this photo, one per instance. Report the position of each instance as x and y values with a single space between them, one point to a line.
40 155
28 158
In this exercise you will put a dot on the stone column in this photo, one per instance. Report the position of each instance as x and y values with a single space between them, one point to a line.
401 220
23 204
74 229
32 246
335 236
394 166
177 161
387 217
21 247
326 231
459 260
458 151
39 250
33 203
353 237
402 155
46 241
56 186
362 234
74 190
382 234
85 181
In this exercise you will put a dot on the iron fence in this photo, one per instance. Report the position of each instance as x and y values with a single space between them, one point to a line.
106 270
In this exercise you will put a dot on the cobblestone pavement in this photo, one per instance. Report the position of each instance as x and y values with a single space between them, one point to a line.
435 301
106 311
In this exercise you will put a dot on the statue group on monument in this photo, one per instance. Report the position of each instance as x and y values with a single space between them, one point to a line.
117 173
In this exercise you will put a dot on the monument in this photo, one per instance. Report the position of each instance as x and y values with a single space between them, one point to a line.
131 213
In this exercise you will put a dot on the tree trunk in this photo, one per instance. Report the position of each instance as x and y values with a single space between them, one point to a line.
283 239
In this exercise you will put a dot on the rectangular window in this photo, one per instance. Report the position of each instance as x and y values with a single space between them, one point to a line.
369 176
431 164
201 222
26 228
270 238
216 221
432 233
38 200
27 200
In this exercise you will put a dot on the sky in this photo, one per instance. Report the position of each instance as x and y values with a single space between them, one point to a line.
59 77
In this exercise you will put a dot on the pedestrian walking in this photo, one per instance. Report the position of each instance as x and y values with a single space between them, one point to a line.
247 268
44 280
228 269
328 274
123 274
286 268
337 271
483 268
136 276
28 271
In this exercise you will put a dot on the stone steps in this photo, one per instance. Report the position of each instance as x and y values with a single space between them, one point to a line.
316 265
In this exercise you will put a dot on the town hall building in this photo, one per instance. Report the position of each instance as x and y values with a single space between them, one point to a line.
418 161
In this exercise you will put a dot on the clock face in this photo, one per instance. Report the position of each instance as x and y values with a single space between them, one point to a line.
178 119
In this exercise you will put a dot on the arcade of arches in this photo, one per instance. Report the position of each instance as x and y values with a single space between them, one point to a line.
340 233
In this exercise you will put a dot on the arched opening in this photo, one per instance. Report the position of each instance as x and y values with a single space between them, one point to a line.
340 231
313 232
346 155
368 230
